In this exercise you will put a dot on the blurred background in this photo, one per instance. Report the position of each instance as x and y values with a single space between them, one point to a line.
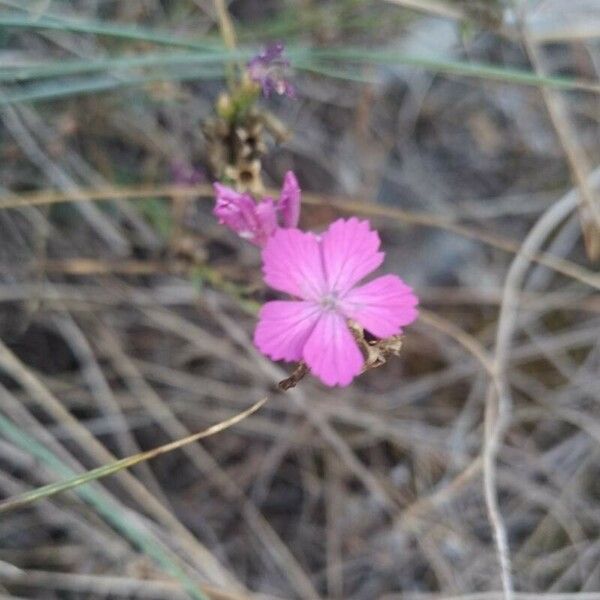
468 132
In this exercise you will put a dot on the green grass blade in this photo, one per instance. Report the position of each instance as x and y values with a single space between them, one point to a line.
347 56
96 497
125 463
342 73
337 64
60 89
341 62
128 32
118 64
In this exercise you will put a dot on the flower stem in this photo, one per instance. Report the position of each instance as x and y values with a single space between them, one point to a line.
228 34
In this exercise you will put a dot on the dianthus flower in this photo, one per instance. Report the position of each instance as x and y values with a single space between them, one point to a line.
257 221
268 69
322 273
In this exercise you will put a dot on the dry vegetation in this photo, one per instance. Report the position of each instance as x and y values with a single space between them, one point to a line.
465 468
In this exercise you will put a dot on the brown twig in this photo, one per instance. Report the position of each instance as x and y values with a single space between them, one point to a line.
346 205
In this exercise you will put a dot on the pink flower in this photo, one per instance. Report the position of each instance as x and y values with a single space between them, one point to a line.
322 273
257 221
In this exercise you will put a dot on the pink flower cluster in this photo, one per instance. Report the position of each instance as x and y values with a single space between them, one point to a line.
257 222
322 275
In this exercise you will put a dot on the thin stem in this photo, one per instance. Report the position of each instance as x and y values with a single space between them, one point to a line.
228 34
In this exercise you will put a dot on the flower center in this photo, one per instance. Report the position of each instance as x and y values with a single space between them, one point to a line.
329 301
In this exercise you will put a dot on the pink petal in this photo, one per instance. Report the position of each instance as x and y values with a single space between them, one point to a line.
284 327
240 213
292 264
266 220
381 306
349 253
234 210
289 201
331 352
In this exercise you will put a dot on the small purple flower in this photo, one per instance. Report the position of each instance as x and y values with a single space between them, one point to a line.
183 173
257 222
268 69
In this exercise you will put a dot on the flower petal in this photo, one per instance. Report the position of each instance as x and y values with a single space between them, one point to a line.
289 201
284 327
381 306
292 264
234 210
273 51
268 69
349 253
331 352
240 213
266 220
